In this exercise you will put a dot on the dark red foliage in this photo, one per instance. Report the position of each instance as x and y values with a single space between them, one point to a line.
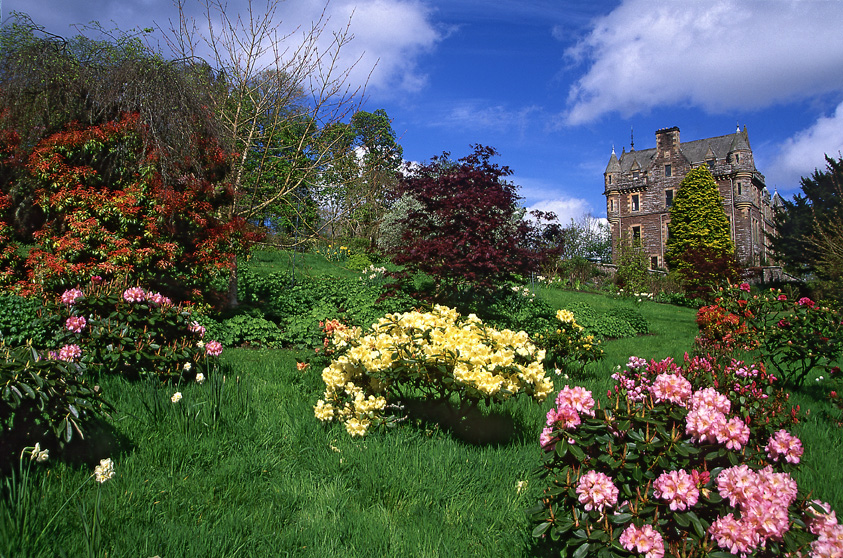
470 231
707 269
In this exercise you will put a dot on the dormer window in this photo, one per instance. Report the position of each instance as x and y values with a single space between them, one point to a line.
737 158
635 175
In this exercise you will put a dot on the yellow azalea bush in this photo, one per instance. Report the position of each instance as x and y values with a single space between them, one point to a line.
568 343
435 354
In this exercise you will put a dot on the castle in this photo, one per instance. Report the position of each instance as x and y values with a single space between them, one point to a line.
640 187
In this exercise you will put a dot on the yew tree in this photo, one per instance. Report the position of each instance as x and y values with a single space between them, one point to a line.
697 220
465 228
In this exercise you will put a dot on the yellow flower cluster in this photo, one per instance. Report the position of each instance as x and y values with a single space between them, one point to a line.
430 351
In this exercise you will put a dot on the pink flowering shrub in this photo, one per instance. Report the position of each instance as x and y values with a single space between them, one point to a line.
672 465
109 327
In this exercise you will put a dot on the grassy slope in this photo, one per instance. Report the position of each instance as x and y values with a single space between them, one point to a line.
260 476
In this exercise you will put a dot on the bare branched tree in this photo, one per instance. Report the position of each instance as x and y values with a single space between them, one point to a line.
274 94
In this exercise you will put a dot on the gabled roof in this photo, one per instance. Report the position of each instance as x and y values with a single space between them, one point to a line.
697 151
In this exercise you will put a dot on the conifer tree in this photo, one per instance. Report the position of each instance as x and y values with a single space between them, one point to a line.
697 219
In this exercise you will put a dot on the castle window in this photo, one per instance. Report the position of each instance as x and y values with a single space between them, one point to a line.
636 234
668 172
654 262
710 163
740 188
737 158
635 175
611 205
609 179
668 198
635 202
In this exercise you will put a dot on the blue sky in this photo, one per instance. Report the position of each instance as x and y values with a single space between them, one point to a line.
553 85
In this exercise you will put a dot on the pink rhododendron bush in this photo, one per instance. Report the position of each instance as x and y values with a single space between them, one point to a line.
683 461
435 355
108 328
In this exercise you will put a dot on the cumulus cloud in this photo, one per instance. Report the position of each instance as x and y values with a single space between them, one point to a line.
719 55
805 152
389 36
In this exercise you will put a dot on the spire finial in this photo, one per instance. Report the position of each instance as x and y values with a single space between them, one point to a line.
631 139
738 131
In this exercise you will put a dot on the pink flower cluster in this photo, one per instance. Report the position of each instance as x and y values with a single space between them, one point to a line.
829 532
782 444
196 327
745 287
69 353
76 323
706 421
673 388
644 540
213 348
597 491
634 382
570 402
678 488
70 296
158 299
805 301
134 294
763 498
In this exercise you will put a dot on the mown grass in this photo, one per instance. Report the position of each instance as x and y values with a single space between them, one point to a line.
240 466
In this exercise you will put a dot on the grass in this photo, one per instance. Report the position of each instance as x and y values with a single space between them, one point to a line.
240 466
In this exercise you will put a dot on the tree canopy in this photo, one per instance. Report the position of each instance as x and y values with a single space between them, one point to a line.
697 219
465 228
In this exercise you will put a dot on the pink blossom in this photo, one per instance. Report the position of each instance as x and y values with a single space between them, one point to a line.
704 424
735 434
710 397
563 418
195 327
745 287
734 535
597 491
782 444
546 439
737 484
805 301
213 348
159 299
134 294
70 296
825 517
644 540
782 298
671 387
829 544
677 488
76 323
578 398
70 352
96 279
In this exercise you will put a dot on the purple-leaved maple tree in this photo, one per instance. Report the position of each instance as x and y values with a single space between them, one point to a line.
468 229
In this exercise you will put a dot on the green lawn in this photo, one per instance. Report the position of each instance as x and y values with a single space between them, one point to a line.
240 466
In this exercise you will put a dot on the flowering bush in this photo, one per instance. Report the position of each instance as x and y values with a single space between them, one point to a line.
674 467
434 354
568 343
111 328
794 336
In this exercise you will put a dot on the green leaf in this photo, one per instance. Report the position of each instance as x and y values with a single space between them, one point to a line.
541 528
581 551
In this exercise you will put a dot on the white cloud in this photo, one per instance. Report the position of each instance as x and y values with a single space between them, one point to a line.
717 54
805 152
566 209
